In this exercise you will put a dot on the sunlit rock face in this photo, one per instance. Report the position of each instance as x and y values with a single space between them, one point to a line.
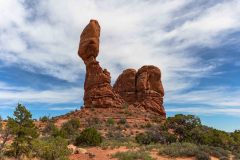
140 89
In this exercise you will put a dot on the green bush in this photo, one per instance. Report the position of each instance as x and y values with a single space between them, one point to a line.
143 138
89 137
122 121
51 148
51 130
202 156
93 122
115 135
44 119
182 124
215 151
110 122
71 128
162 137
132 155
179 150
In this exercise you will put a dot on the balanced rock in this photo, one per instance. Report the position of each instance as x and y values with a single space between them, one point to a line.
98 91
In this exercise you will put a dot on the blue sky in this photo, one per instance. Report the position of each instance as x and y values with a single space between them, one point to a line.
194 42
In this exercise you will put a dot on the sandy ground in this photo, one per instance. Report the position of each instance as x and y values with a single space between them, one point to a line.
105 154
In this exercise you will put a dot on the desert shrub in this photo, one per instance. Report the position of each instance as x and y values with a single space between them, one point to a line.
132 155
162 137
236 140
51 148
188 128
170 138
217 138
128 142
51 130
44 119
182 124
143 138
24 130
210 136
122 121
215 151
202 156
71 128
89 137
110 122
93 122
115 135
179 150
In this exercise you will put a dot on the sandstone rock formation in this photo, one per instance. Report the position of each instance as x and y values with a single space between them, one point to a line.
98 91
140 89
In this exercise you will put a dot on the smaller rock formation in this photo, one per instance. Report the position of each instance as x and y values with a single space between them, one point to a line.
149 88
142 88
98 91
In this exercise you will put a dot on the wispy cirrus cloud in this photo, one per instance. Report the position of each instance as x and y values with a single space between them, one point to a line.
214 97
42 37
49 41
13 94
206 111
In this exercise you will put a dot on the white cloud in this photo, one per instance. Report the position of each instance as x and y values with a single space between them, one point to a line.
218 98
13 95
134 33
206 111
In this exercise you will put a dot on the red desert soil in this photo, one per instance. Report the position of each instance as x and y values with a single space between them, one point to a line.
105 154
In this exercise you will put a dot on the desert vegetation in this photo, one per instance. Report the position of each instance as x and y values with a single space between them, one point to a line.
179 136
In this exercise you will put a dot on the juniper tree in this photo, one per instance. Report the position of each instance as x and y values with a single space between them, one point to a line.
23 129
